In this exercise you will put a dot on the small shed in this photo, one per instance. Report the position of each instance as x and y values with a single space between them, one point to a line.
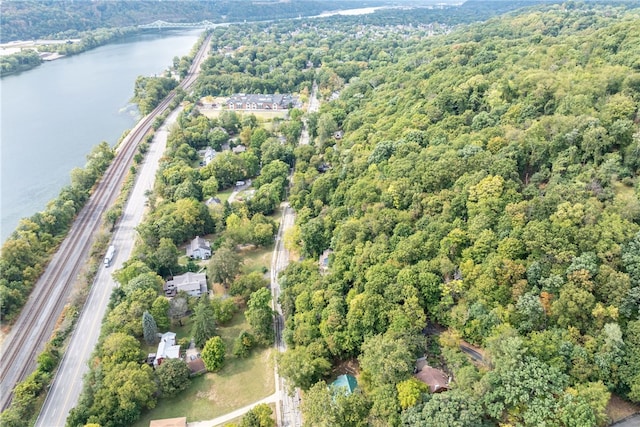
196 365
345 384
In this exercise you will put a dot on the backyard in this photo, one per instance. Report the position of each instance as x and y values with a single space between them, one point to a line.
239 383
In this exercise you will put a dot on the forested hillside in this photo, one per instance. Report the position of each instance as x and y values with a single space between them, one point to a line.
487 182
25 20
484 189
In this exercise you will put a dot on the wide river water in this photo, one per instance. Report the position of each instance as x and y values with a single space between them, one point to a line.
51 116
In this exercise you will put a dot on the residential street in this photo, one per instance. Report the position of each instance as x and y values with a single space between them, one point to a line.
288 412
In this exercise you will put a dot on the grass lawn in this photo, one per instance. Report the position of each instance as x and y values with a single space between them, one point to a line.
239 383
257 258
224 195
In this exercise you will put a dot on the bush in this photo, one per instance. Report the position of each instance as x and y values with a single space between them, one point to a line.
243 344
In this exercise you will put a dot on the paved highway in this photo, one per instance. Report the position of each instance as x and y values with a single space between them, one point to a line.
67 384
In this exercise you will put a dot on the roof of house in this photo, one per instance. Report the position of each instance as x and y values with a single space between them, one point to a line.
323 261
199 243
167 347
196 365
434 378
169 422
186 282
187 278
346 383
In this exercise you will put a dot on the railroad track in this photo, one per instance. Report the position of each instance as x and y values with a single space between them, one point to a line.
37 320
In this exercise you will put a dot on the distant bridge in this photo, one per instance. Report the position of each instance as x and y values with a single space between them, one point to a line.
164 24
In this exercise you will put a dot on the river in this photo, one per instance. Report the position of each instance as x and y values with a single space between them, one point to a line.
51 116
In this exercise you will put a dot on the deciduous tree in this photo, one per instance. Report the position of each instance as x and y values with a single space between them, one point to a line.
173 376
213 354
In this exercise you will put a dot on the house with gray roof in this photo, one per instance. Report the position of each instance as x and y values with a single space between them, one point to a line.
270 102
195 284
199 248
167 348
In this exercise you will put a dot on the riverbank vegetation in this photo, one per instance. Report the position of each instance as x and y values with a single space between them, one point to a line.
26 252
148 92
30 58
19 61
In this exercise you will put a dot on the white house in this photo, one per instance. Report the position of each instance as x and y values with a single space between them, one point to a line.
167 348
195 284
209 154
199 248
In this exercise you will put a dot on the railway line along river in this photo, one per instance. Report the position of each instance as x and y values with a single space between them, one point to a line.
51 116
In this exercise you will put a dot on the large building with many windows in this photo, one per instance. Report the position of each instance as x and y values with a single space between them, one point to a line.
273 102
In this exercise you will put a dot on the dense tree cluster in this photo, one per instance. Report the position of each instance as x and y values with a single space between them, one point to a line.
20 61
149 91
487 181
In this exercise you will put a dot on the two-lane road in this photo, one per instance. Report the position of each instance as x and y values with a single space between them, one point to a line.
67 384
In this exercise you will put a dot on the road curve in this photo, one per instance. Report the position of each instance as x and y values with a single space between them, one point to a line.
36 322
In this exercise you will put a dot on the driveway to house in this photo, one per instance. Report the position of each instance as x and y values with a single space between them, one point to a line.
237 189
472 353
232 415
314 105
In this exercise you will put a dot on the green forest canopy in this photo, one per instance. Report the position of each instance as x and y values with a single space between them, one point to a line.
486 181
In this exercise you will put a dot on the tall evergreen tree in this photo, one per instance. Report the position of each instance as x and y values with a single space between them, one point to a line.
204 322
149 327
